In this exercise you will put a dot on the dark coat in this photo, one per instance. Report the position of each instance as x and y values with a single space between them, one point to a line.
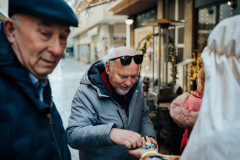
29 128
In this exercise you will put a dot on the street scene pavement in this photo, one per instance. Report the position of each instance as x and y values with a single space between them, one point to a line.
64 81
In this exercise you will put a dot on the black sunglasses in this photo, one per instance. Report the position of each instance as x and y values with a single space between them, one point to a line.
126 60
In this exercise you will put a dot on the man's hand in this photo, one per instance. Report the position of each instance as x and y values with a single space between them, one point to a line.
152 141
127 138
138 152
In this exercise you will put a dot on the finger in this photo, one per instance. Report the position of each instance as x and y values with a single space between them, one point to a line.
148 139
132 141
127 144
143 140
153 141
139 143
134 134
136 140
139 140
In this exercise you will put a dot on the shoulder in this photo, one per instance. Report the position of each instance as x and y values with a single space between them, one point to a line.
179 101
193 103
181 115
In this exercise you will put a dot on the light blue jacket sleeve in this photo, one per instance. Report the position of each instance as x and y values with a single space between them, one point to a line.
83 131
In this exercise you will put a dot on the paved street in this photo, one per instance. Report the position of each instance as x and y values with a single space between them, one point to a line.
65 81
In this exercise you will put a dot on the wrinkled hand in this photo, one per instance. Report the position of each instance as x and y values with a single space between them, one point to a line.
152 141
127 138
138 152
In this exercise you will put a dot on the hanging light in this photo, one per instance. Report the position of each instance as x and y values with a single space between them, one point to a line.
229 3
129 21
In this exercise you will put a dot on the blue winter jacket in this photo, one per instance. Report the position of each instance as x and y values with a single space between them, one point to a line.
29 128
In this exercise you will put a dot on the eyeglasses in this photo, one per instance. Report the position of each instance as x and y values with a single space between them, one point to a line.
126 60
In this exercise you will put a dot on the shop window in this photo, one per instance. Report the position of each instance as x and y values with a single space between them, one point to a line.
227 10
209 17
206 23
149 15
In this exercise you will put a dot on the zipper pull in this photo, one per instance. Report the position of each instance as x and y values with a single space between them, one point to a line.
51 122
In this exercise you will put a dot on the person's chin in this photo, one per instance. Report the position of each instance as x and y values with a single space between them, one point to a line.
122 92
43 72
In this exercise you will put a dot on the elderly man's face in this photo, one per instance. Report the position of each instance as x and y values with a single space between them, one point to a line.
38 44
122 78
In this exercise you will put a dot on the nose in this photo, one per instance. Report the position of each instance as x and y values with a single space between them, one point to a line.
55 47
128 82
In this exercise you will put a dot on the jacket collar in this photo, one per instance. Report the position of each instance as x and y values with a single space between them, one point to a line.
93 77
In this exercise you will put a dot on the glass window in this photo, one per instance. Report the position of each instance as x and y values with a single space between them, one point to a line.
180 9
180 35
180 55
171 9
209 17
227 10
206 23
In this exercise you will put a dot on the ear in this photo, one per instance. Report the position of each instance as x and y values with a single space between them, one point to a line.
9 28
107 69
202 86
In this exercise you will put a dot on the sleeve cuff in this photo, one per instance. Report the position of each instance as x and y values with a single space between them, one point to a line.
146 153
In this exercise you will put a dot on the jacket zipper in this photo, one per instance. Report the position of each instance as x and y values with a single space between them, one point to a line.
120 117
51 122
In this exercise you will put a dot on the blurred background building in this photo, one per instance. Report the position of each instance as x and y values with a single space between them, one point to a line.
170 33
3 9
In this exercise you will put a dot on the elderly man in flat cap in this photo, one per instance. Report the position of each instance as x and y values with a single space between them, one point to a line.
32 40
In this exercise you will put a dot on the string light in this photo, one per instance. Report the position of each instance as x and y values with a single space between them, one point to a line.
172 54
196 65
229 3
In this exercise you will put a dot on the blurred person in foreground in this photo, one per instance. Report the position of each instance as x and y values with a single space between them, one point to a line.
215 135
184 109
109 113
32 40
216 132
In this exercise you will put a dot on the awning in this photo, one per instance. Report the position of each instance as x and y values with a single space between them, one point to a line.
93 31
132 7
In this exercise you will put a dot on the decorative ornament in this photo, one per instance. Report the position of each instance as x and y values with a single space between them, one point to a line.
196 65
146 145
